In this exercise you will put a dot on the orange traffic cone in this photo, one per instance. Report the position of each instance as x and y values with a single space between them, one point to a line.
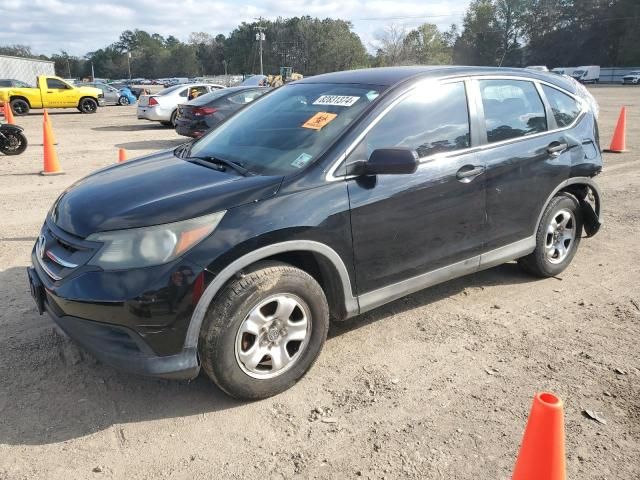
52 135
51 165
122 155
542 451
618 143
8 114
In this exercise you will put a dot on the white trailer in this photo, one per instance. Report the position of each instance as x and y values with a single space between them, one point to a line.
564 70
587 74
25 69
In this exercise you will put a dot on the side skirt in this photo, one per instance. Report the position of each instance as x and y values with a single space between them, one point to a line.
377 298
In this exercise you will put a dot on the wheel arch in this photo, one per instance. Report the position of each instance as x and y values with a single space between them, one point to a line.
580 187
19 97
95 99
317 259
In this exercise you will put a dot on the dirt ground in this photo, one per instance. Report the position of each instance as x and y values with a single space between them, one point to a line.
435 385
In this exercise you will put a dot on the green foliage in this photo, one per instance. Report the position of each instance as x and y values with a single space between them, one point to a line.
493 32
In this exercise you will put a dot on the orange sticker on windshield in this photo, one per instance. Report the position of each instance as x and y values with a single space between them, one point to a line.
319 120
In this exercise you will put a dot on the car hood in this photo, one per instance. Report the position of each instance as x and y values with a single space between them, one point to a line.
157 189
90 91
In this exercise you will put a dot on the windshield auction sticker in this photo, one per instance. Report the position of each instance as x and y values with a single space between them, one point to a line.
319 120
336 100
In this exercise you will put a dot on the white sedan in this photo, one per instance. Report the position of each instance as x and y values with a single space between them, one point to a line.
163 106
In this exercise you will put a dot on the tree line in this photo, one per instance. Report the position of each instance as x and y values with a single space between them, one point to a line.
493 32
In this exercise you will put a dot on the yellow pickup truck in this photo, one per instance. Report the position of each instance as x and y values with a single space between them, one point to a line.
52 92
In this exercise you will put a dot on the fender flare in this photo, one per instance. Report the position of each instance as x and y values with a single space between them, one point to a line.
350 302
588 182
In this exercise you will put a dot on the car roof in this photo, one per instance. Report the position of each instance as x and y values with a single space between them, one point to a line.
392 76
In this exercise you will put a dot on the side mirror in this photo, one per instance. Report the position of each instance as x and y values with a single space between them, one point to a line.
386 161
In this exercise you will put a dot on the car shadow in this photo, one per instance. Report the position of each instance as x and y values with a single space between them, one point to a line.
53 391
151 144
131 128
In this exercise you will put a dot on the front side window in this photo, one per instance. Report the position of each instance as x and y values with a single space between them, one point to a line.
565 109
430 120
512 109
54 83
287 130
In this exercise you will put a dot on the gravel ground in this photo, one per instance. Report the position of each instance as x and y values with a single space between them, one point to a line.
435 385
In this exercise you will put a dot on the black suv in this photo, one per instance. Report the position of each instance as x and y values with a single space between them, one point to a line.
319 201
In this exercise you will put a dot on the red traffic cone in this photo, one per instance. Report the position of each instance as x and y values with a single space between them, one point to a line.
122 155
8 113
541 454
51 164
49 127
618 143
47 121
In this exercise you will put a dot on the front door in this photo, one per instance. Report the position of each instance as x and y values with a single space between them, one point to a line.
407 227
58 94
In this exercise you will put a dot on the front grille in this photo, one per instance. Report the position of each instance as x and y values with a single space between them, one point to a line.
60 253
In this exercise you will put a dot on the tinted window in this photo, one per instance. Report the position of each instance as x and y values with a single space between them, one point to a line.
429 121
565 109
5 83
245 97
55 83
512 109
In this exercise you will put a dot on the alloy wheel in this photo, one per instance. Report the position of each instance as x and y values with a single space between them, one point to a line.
561 233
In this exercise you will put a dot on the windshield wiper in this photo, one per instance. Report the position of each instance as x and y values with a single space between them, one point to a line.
221 161
181 149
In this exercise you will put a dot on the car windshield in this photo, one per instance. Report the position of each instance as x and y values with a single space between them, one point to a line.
579 72
288 129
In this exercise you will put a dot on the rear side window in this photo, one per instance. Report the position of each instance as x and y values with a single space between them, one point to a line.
430 121
512 109
245 97
565 109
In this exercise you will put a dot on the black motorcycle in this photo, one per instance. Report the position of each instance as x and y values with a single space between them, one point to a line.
12 140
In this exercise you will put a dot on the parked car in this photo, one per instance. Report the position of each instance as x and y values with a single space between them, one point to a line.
163 106
538 68
112 95
198 116
588 74
632 78
10 82
53 92
137 91
322 200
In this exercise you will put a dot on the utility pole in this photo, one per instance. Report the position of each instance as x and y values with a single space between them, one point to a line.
226 78
129 63
93 75
260 36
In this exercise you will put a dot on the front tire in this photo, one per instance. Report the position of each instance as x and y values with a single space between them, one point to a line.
14 144
88 105
264 331
123 101
557 238
19 106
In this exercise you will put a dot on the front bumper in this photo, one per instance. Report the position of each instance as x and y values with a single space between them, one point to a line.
115 345
101 102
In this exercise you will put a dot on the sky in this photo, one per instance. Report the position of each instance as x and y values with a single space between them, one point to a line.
81 26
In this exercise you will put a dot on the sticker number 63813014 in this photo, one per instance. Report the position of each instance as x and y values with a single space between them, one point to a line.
336 100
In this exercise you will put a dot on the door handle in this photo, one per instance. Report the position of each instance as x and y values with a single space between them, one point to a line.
469 172
556 148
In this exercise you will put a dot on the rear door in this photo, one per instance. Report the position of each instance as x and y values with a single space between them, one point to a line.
526 158
407 225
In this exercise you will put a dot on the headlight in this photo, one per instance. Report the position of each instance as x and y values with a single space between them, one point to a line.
147 246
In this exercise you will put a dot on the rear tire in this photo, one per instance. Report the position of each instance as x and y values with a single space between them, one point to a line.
123 101
19 107
172 120
288 311
557 238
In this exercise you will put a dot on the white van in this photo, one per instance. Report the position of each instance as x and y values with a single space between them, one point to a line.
587 74
564 70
